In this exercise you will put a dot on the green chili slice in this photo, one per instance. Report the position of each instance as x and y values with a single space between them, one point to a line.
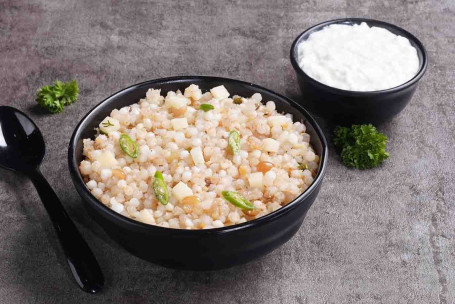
128 145
160 188
234 141
237 200
303 166
206 107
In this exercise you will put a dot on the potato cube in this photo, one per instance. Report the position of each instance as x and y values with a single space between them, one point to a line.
220 92
176 101
107 159
277 120
146 216
108 125
198 157
271 145
181 190
179 123
255 180
193 92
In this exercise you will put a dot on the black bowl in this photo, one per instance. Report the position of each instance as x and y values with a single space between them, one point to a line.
197 249
347 107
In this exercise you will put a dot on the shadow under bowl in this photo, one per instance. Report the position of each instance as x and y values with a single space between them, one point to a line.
197 249
348 107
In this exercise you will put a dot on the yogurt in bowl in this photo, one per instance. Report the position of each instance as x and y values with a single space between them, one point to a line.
357 57
357 71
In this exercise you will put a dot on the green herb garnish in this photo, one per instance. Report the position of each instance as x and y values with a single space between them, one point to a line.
237 200
362 146
206 107
107 124
55 97
234 141
128 145
160 188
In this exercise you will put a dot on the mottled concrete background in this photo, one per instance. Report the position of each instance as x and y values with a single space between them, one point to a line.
379 236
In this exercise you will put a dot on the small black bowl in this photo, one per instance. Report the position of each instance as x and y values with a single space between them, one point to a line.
347 107
198 249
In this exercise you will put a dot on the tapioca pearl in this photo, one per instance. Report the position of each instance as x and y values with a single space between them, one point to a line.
237 159
97 192
92 184
256 154
234 217
86 167
270 106
117 207
217 224
196 142
309 156
269 178
186 176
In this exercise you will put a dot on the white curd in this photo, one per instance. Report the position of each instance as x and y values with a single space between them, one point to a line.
358 57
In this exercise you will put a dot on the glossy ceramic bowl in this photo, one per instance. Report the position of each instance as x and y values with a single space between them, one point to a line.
346 107
197 249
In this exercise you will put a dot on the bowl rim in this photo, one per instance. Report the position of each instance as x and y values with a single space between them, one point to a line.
80 185
371 22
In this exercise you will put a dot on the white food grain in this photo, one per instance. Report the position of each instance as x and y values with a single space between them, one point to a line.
92 184
117 207
192 153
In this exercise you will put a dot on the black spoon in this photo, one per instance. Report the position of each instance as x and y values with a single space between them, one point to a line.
22 149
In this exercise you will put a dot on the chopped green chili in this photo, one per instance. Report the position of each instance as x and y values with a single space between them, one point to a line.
128 145
234 141
206 107
303 166
237 200
160 188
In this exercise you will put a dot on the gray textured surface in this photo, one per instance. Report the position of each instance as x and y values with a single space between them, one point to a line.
379 236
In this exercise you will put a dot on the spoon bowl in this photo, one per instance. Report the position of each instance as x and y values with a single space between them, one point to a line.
22 145
22 149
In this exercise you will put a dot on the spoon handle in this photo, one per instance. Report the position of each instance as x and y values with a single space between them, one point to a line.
81 260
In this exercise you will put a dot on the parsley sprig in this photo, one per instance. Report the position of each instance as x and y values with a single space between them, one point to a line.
362 146
55 97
